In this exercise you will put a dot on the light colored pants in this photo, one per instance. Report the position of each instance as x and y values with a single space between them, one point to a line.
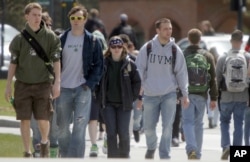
73 105
154 106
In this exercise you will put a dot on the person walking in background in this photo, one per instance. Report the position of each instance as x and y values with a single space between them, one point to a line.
247 126
94 21
125 28
207 28
82 67
213 114
164 63
119 88
33 86
200 81
135 122
36 138
233 98
95 106
177 121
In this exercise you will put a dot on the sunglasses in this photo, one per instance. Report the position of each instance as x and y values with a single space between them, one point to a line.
76 18
113 47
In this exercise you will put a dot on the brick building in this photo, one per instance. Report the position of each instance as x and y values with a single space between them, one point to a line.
184 14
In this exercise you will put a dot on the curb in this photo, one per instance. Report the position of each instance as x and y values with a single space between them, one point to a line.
9 122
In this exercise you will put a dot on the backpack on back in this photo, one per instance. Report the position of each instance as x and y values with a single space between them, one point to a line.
235 71
198 76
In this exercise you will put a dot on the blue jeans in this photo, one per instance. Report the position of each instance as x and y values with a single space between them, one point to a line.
53 134
137 117
247 127
117 123
226 111
154 106
192 123
73 105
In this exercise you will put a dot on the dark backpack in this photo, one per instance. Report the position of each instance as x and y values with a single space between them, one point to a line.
198 76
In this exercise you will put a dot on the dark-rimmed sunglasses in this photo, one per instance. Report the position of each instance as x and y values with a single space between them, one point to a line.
113 47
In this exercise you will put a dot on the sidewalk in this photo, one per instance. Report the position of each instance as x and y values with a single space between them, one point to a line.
211 147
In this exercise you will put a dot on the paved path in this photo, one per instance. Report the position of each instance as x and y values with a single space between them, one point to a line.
211 148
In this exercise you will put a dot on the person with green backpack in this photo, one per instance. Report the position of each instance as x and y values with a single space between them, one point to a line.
202 77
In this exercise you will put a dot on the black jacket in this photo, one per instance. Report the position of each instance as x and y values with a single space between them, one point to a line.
130 84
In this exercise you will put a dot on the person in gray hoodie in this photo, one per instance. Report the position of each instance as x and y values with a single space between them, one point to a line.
159 83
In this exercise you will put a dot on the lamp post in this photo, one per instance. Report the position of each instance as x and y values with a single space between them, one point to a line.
2 34
240 7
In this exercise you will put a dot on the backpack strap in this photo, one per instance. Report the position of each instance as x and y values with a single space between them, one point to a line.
39 51
174 52
149 50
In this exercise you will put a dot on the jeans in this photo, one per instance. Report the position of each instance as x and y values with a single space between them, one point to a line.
226 110
177 122
117 123
154 106
137 118
247 127
192 123
73 105
213 114
53 134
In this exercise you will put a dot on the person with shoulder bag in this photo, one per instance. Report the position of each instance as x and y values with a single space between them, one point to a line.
37 75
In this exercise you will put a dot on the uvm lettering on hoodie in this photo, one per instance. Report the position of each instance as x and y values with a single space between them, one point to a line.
153 58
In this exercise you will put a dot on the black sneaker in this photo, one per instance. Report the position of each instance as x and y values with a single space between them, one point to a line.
150 154
225 154
136 136
210 123
27 155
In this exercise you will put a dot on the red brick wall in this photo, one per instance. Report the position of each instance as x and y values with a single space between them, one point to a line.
184 14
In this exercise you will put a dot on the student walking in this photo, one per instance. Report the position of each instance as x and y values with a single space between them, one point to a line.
119 88
201 74
231 73
36 138
162 68
125 28
82 67
34 82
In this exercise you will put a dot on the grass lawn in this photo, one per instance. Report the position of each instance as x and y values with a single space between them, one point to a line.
5 107
11 146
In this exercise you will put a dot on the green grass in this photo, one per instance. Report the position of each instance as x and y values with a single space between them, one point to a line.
11 146
5 107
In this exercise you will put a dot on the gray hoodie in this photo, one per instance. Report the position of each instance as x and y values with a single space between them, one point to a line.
159 78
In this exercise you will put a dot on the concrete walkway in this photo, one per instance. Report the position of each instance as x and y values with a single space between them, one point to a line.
211 146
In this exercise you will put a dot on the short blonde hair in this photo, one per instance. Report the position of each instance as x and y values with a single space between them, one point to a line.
31 6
